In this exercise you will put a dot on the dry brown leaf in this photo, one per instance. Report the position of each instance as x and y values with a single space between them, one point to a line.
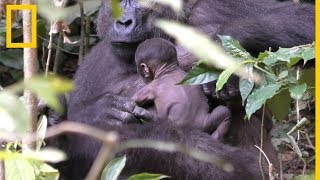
59 26
67 40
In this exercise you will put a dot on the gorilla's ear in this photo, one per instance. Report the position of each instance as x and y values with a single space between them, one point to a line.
146 70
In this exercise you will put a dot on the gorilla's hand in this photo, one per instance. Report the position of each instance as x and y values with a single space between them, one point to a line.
229 94
121 109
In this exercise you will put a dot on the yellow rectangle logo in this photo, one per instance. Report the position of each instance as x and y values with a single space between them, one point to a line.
33 43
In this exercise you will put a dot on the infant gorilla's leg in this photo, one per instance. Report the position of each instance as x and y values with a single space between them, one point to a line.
219 120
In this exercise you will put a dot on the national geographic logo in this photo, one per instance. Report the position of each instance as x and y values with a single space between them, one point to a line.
33 43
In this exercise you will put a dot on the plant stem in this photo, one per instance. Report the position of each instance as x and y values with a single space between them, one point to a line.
30 69
82 34
298 108
2 171
57 58
49 53
261 142
87 33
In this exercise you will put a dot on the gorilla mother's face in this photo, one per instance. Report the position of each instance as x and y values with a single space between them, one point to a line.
133 27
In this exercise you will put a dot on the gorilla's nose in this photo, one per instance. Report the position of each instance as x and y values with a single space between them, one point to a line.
125 24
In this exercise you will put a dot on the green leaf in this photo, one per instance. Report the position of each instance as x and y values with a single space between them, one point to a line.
46 154
52 13
234 48
259 97
13 113
307 76
147 176
224 76
296 91
49 155
41 131
283 74
48 172
245 87
295 145
19 169
48 88
201 74
280 105
283 54
263 55
16 74
289 55
308 54
246 84
113 169
115 9
12 58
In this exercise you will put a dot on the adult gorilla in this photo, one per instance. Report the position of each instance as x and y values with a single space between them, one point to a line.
107 79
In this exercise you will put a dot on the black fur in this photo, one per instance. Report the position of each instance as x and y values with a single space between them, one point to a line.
177 165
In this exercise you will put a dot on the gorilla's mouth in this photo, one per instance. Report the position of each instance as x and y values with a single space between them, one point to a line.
125 50
121 43
125 45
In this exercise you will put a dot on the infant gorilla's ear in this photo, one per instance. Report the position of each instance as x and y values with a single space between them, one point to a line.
145 70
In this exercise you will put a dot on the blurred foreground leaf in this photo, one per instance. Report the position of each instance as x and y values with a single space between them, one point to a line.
52 13
115 9
147 176
113 169
47 155
13 113
48 88
19 169
41 131
176 5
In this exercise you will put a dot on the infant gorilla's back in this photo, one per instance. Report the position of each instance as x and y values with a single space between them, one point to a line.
182 104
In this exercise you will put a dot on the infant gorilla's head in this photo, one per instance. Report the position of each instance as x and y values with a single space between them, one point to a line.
155 55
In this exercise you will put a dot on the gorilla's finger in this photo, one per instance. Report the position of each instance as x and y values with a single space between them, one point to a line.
129 118
124 104
122 116
142 114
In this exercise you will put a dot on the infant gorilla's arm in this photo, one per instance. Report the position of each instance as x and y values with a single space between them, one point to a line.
145 95
220 118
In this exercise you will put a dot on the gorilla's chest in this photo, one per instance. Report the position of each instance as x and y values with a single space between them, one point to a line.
125 85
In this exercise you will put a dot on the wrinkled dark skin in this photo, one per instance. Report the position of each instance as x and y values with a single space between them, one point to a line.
108 78
157 63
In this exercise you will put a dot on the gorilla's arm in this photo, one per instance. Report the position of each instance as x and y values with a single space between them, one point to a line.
257 24
176 165
260 33
102 90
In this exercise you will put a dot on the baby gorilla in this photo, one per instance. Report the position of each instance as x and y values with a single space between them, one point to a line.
185 105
